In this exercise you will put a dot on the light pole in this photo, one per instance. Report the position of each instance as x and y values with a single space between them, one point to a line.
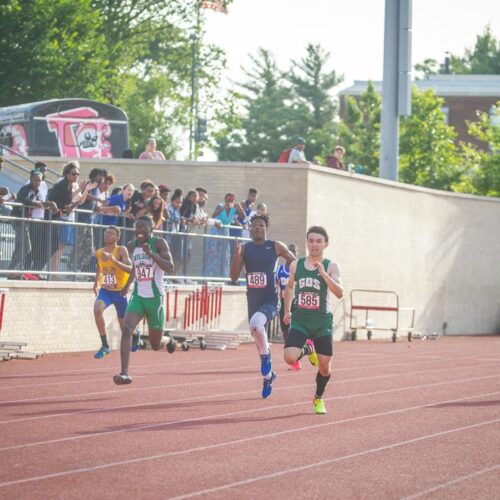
193 39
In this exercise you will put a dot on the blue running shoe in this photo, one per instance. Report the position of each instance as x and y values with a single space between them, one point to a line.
136 341
265 364
267 388
103 351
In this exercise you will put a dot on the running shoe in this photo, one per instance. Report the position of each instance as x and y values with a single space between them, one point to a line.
296 366
265 364
103 351
136 340
313 357
319 406
267 388
122 379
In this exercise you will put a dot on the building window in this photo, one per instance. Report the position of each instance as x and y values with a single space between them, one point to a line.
446 112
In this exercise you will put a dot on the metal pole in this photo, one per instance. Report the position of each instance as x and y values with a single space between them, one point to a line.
192 37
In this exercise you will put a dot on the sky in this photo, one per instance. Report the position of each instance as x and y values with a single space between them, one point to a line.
351 30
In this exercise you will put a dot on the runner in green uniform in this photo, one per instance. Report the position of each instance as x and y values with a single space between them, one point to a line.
151 258
312 278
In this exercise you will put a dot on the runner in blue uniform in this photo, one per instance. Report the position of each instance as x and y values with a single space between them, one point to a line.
282 277
259 257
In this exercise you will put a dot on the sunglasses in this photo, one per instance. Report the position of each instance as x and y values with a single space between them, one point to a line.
74 173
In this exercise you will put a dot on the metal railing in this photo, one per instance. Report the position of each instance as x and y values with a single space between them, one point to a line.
64 250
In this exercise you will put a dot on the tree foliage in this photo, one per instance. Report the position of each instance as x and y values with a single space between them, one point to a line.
482 59
132 53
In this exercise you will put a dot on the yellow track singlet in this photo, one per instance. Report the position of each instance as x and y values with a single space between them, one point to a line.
112 277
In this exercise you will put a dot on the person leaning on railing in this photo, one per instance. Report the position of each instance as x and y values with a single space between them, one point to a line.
28 234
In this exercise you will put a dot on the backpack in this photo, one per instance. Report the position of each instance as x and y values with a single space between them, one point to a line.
283 158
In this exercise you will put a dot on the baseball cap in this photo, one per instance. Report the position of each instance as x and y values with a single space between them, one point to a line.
163 187
36 171
300 140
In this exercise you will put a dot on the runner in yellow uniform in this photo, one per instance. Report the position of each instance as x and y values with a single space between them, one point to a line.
113 269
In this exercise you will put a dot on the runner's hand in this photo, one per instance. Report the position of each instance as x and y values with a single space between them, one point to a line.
147 249
321 270
287 318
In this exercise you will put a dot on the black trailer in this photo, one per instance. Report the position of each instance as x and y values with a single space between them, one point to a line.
70 128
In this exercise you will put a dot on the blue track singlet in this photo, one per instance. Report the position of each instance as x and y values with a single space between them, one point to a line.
260 263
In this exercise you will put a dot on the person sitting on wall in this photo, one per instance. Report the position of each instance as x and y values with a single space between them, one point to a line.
334 160
151 153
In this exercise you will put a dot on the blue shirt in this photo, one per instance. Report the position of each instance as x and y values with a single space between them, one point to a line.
114 201
282 278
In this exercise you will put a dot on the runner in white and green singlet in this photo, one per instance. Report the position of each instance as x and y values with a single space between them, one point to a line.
312 279
151 258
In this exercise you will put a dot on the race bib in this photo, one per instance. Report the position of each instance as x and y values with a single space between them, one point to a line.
308 300
257 280
144 273
109 280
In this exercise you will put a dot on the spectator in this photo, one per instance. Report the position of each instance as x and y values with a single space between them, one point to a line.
151 153
154 208
5 195
188 211
96 176
116 206
297 153
261 209
140 198
226 212
173 226
67 196
128 154
334 160
201 213
28 195
164 191
116 190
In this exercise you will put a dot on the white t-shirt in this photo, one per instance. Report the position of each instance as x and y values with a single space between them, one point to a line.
39 213
296 155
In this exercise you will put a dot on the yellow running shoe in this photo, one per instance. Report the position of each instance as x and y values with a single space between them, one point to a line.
313 357
319 406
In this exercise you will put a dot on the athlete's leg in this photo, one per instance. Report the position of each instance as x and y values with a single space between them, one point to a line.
297 346
155 337
324 349
155 316
131 321
258 329
101 303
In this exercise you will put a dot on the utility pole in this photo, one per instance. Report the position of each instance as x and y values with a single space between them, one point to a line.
192 118
396 93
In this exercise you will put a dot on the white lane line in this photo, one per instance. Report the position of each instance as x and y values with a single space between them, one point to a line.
302 468
266 436
335 371
173 366
241 412
451 483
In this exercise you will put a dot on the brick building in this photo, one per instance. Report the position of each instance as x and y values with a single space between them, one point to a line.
464 96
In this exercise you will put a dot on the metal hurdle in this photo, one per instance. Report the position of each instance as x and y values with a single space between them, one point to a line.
378 301
201 313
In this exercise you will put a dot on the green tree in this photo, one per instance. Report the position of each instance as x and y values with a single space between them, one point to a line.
269 118
428 155
312 83
482 59
483 175
359 132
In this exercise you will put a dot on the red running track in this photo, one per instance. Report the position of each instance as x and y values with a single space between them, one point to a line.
404 421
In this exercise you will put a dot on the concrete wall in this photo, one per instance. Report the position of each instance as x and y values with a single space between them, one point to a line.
439 251
58 317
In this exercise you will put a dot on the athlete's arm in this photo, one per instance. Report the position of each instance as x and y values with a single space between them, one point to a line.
237 262
282 251
97 276
290 288
123 261
332 278
131 276
163 258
